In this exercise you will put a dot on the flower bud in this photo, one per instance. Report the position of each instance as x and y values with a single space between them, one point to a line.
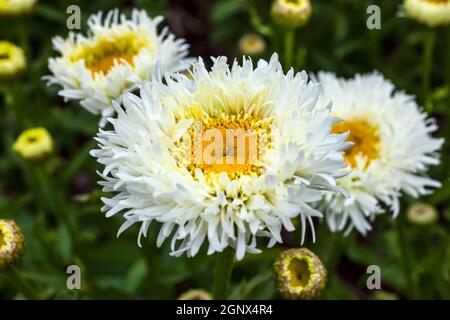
384 295
291 13
433 13
34 144
11 244
252 45
16 7
12 60
421 214
195 294
300 274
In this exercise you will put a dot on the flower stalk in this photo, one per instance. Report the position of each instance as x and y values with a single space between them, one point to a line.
49 199
427 65
222 277
20 284
405 255
289 38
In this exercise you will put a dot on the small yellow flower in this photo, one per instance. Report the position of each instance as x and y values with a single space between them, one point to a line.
300 274
11 244
34 144
252 45
433 13
195 294
422 214
291 13
16 7
12 60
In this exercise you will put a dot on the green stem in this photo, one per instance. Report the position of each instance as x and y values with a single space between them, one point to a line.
289 38
22 33
49 197
447 62
12 97
17 281
427 65
224 267
335 253
405 255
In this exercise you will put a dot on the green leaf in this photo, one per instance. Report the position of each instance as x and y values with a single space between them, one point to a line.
64 244
222 10
136 276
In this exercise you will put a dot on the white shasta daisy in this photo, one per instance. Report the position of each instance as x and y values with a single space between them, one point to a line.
175 156
115 57
392 148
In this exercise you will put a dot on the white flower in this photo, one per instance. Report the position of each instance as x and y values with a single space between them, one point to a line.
430 12
392 148
115 57
151 164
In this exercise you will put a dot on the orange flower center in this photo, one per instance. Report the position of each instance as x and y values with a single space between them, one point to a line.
365 139
104 53
234 144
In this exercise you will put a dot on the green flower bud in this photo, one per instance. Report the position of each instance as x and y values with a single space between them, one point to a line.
34 144
16 8
291 13
300 274
195 294
12 60
252 45
421 214
432 13
384 295
12 244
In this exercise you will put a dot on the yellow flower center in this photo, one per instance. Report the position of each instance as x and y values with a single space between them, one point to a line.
101 56
234 144
365 138
299 273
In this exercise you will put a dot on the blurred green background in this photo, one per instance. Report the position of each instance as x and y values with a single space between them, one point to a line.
40 197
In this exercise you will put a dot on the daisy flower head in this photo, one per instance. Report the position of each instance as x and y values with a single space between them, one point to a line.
12 60
226 156
117 54
16 7
391 152
433 13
